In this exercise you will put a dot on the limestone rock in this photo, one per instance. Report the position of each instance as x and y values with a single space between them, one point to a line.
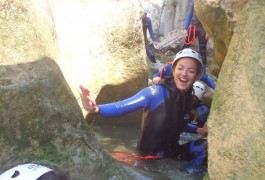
219 18
236 123
47 50
41 122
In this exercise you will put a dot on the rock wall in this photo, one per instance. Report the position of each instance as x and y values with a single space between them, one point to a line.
101 45
47 49
168 19
27 32
41 122
236 123
219 18
167 16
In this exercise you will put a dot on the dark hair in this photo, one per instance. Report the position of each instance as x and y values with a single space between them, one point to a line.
53 175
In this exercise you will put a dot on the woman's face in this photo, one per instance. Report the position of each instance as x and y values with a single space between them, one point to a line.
185 73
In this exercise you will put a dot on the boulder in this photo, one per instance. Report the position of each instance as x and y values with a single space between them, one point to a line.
236 122
41 122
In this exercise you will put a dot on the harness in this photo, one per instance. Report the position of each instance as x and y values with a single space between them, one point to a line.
190 39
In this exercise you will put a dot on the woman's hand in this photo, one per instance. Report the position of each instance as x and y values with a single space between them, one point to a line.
156 80
88 103
203 131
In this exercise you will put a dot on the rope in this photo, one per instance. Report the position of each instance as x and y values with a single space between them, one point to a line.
188 40
125 155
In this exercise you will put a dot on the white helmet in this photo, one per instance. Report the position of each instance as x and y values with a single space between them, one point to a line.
25 172
199 89
146 10
187 52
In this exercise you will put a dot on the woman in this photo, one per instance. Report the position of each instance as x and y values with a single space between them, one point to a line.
166 71
166 109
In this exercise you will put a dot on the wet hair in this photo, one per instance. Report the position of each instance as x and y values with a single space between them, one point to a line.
54 175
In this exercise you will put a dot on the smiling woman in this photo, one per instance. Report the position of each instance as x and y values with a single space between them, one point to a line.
184 69
166 107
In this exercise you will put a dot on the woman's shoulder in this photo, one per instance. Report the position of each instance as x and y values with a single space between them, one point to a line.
158 90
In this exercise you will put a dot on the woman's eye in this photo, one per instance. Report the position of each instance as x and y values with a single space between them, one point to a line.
191 71
179 68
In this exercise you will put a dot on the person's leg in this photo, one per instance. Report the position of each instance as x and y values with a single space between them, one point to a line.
208 80
201 34
195 152
150 53
198 150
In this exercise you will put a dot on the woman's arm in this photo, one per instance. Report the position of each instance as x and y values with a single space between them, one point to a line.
149 97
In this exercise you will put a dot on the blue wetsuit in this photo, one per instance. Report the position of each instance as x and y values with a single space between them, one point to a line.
203 112
163 118
202 109
147 25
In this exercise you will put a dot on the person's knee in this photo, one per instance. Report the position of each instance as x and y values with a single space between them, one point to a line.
198 148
